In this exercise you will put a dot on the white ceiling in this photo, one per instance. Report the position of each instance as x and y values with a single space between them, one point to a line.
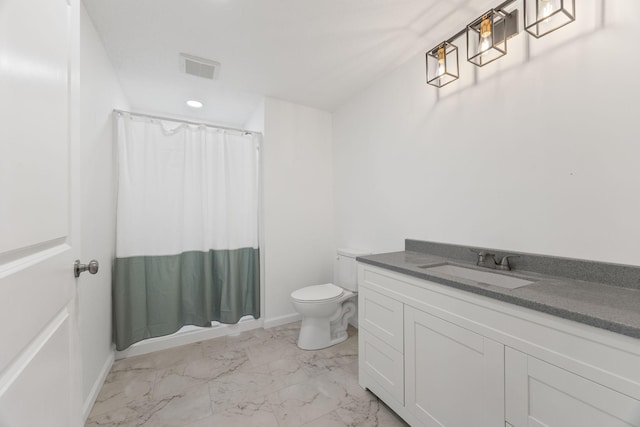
317 53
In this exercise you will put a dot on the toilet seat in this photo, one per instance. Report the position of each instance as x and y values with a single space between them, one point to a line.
318 293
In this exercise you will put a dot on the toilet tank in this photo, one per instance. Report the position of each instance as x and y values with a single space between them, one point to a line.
346 270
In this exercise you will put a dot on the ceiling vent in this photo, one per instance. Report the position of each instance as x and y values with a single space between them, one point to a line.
199 67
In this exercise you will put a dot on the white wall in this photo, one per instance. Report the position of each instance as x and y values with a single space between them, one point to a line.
255 122
100 94
537 152
297 203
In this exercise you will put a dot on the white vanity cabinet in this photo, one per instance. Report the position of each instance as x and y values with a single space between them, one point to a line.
439 356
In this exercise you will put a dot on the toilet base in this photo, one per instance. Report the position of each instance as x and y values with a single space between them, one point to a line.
322 332
315 334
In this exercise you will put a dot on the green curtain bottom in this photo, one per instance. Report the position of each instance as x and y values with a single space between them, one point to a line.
157 295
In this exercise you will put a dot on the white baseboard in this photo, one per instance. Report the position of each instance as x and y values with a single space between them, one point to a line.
282 320
188 335
97 386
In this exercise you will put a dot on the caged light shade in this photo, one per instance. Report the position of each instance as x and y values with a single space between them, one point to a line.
544 16
442 64
486 38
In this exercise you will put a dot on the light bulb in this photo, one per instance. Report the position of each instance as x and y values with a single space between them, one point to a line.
485 44
441 66
546 11
485 34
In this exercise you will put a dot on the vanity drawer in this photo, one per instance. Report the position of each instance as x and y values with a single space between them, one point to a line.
382 317
381 368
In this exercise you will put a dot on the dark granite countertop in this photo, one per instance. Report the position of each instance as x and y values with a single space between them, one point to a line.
615 308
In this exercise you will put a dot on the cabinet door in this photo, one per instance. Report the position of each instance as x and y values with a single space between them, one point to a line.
381 316
454 377
539 394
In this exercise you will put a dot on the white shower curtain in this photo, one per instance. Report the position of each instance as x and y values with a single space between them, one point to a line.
187 227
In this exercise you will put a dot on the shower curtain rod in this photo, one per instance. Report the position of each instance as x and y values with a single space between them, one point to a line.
150 116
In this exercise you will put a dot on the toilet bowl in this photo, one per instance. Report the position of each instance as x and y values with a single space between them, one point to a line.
326 309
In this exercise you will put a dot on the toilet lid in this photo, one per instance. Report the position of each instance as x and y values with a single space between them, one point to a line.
318 292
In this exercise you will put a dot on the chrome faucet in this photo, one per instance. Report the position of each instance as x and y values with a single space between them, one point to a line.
488 260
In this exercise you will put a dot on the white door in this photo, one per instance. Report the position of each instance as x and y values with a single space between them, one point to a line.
39 363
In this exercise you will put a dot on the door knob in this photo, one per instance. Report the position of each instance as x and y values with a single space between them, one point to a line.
78 268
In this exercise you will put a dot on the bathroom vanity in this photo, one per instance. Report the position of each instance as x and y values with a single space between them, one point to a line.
445 350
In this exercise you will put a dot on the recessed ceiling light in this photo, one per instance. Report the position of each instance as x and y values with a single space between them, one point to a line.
194 104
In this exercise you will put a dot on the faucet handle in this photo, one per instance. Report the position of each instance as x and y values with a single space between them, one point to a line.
482 257
504 262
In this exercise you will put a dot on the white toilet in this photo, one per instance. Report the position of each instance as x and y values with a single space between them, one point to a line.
326 309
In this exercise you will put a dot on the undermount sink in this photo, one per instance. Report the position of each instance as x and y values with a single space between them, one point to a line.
495 279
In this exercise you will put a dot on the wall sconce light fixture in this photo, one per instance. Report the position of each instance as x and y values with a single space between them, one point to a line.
486 39
487 35
442 64
544 16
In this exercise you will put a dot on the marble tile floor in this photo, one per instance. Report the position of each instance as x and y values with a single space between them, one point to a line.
259 378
